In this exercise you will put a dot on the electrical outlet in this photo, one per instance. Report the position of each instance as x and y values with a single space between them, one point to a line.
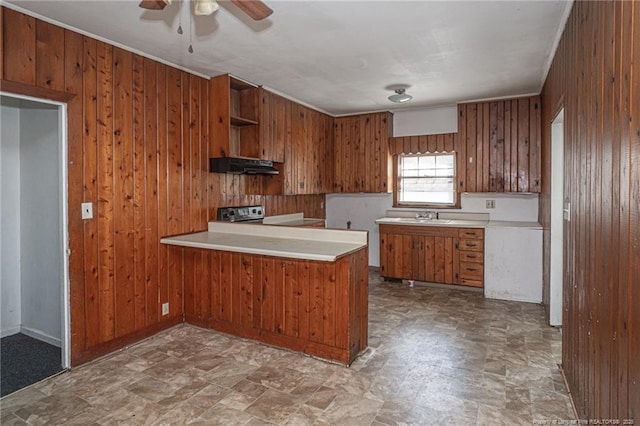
491 204
87 210
165 309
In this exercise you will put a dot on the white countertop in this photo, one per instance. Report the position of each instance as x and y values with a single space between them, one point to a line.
432 222
513 224
296 243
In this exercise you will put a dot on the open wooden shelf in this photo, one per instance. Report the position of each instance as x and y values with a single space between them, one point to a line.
239 121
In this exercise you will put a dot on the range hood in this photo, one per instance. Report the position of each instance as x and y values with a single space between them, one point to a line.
241 165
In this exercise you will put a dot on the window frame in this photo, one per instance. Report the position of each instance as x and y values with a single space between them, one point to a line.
396 181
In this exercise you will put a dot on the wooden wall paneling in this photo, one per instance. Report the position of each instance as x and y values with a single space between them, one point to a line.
461 154
123 192
105 193
175 184
483 145
304 306
291 299
88 47
279 296
506 178
523 145
49 61
513 163
633 292
535 125
1 43
225 301
316 280
73 83
496 152
219 110
151 154
163 113
139 194
474 154
19 39
593 75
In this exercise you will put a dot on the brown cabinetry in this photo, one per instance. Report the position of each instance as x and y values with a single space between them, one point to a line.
446 255
361 152
300 139
234 114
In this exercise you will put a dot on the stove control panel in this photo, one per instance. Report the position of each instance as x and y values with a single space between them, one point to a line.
240 213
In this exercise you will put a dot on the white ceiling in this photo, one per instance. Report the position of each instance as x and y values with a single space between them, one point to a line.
343 57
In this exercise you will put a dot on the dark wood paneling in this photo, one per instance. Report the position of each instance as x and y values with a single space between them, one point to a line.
595 77
138 150
362 154
19 38
319 308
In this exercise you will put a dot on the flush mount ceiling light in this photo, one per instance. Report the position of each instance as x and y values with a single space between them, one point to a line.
400 97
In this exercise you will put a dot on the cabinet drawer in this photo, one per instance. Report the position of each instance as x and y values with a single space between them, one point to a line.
471 245
472 271
471 283
471 233
472 256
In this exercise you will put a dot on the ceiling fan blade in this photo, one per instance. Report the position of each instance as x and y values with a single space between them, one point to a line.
254 8
153 4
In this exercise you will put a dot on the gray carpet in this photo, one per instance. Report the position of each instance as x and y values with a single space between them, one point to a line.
24 361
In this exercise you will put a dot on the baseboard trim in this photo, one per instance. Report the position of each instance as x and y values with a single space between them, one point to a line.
10 331
39 335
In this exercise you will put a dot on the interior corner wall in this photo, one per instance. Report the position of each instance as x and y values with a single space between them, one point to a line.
40 227
10 216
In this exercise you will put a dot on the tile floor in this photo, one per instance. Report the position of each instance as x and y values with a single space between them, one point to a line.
436 357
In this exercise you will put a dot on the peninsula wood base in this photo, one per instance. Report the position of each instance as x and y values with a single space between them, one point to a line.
319 308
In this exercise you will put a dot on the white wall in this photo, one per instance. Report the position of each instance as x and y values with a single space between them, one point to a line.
10 216
425 121
40 232
361 210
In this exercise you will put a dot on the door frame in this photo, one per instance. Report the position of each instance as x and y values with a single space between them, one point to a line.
557 260
63 188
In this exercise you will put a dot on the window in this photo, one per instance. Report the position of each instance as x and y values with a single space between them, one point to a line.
426 179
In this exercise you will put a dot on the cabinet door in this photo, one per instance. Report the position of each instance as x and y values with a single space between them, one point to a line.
273 126
361 151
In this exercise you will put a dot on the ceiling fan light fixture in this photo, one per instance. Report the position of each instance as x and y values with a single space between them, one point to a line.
167 2
400 96
204 7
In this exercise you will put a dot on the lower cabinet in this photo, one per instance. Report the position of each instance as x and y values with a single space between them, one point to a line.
446 255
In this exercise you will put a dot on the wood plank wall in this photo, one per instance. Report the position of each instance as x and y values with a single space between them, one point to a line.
595 76
497 145
137 149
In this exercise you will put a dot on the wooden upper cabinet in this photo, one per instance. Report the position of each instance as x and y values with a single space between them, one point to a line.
498 146
275 126
361 152
234 117
308 152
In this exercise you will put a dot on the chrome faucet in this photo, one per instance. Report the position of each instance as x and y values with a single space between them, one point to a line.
429 215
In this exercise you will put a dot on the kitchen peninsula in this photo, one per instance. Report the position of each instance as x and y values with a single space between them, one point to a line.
305 289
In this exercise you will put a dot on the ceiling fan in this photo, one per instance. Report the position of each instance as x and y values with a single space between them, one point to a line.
256 9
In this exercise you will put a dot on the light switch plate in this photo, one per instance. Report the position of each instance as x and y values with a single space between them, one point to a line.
165 308
87 210
491 204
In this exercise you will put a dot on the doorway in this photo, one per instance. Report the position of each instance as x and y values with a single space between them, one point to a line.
34 323
557 221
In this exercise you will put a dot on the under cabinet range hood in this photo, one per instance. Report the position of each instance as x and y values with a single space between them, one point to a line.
241 165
